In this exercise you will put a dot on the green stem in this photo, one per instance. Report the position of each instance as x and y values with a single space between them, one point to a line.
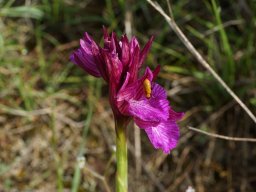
121 157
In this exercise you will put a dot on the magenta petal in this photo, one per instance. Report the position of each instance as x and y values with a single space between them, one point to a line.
113 45
86 63
107 39
134 64
156 71
148 74
100 62
175 116
145 50
84 57
133 44
158 91
131 91
164 135
125 50
118 48
105 32
113 64
149 109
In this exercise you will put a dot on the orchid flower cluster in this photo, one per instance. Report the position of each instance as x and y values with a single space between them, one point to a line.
131 97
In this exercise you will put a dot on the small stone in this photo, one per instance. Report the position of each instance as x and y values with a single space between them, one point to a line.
81 161
190 189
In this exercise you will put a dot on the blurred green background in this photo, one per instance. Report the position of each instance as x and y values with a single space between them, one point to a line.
51 112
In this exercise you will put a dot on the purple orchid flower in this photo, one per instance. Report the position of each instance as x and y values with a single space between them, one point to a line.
118 63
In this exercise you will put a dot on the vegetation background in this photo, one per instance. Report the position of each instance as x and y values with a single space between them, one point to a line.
51 112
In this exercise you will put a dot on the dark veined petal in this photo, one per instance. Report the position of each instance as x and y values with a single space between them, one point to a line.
117 47
158 91
164 135
84 57
145 51
156 71
120 102
100 62
134 64
124 44
126 81
107 39
113 65
111 42
133 44
79 58
175 116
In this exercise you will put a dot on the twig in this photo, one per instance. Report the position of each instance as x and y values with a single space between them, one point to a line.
151 175
137 146
23 113
169 8
200 59
226 24
98 176
222 136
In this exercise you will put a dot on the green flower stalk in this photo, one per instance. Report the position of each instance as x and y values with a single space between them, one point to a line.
121 157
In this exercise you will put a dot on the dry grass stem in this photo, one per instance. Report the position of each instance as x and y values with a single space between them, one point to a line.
222 136
226 24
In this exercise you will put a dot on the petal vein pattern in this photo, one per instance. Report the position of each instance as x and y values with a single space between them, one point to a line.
164 135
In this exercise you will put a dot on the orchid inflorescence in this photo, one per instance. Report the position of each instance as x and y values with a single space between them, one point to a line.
131 97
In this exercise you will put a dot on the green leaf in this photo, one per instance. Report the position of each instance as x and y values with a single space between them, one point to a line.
22 11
